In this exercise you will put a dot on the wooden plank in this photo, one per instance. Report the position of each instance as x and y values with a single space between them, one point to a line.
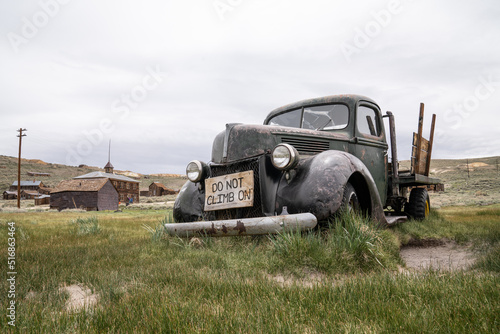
425 148
423 162
419 158
431 141
413 153
424 145
415 139
417 179
420 127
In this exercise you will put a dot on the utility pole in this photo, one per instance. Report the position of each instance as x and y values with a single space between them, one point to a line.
21 135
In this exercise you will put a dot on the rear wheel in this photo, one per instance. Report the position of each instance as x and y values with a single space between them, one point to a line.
419 204
350 200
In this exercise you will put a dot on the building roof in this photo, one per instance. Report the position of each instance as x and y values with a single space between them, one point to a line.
10 192
30 192
350 100
27 183
108 165
42 196
79 185
38 174
102 175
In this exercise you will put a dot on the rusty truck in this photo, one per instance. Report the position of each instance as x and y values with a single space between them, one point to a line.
308 160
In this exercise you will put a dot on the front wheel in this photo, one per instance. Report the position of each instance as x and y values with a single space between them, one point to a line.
419 204
350 200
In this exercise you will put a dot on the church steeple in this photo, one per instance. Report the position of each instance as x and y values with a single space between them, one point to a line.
109 167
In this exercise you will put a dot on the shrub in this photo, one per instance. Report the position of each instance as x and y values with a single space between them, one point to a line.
349 243
86 226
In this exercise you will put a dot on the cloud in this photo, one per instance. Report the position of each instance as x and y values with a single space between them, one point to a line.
67 78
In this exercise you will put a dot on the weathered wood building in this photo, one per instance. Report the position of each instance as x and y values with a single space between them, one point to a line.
126 187
27 185
158 189
7 194
91 195
42 199
29 194
38 174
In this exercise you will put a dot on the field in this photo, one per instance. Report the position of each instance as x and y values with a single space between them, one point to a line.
92 272
475 184
117 272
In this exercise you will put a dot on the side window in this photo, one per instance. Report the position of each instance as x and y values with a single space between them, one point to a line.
367 121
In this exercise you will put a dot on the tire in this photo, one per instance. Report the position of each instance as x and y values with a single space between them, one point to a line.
419 204
350 200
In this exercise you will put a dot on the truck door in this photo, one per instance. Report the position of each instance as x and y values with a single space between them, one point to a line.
371 145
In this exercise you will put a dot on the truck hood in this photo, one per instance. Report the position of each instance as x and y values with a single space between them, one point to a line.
241 141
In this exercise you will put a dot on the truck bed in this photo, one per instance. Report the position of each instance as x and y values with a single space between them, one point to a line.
410 180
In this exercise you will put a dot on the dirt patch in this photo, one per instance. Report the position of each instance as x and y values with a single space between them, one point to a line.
437 254
80 297
425 243
478 165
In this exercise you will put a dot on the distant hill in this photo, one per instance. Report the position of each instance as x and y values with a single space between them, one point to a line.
480 186
58 172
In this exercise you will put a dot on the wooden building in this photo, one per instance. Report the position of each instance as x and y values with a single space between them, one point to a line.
27 185
91 195
29 194
38 174
7 194
158 189
45 191
126 187
42 199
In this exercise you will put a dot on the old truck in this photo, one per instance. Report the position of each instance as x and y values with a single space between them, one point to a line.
308 160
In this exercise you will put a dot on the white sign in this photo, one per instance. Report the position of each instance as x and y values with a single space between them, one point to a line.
229 191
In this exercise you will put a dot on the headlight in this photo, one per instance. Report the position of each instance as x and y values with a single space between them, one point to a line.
285 157
195 171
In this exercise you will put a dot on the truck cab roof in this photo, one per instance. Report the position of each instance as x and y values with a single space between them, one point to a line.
350 100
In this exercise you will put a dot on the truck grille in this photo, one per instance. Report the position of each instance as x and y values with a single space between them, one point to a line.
307 146
249 212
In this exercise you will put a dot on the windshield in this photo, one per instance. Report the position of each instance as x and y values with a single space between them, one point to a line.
325 117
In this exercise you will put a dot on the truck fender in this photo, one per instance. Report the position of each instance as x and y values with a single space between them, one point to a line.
189 204
317 186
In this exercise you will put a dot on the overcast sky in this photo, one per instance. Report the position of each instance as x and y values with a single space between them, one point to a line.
162 78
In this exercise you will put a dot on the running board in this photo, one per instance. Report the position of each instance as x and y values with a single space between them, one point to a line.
393 220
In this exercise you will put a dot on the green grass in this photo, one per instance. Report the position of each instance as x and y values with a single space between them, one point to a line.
85 226
342 278
348 244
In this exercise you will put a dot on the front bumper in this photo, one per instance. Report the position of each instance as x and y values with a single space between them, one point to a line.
246 226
